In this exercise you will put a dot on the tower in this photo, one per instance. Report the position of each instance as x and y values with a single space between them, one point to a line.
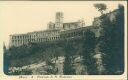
51 26
59 20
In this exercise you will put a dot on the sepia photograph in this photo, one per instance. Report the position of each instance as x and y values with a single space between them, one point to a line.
59 38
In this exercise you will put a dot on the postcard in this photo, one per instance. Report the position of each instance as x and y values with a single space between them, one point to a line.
63 40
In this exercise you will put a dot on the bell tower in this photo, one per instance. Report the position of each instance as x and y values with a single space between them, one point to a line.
59 20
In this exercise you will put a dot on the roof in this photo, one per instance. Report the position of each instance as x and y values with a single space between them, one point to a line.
71 23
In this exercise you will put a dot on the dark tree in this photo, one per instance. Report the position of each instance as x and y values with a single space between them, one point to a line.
68 63
101 7
88 52
112 43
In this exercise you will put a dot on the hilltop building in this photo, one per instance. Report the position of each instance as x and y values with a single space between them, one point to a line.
52 33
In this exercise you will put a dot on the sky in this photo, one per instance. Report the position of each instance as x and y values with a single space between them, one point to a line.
23 17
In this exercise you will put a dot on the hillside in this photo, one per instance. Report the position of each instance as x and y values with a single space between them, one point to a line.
90 54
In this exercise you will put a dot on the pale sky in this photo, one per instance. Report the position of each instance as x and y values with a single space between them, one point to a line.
23 17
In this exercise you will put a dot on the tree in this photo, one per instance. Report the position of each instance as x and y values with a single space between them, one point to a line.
112 43
88 52
121 7
68 67
68 63
101 7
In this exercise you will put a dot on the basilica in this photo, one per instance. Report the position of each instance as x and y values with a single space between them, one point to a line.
55 31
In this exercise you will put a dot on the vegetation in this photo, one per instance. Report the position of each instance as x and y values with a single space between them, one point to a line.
101 7
112 43
88 52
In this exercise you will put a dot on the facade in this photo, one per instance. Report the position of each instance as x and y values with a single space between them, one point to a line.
53 32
